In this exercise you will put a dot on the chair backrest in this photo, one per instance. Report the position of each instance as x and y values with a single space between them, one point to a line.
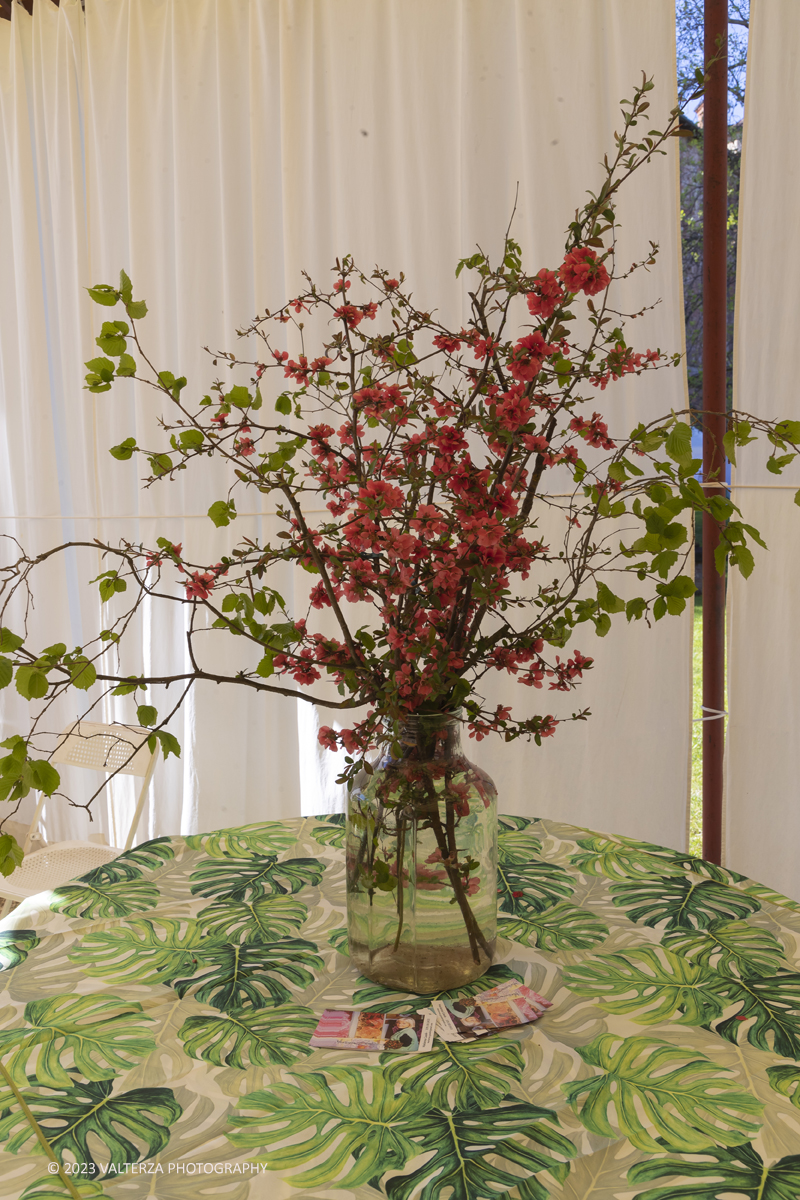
104 747
119 748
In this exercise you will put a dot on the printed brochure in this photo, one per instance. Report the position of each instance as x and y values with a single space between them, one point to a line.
351 1029
462 1019
503 1007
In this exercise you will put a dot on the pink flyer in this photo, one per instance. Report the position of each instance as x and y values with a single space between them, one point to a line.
352 1029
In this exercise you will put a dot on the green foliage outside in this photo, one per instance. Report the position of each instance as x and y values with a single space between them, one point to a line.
689 29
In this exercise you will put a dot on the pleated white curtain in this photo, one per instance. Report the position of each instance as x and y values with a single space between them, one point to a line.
214 149
763 758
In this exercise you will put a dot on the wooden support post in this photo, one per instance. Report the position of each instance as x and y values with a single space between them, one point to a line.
715 226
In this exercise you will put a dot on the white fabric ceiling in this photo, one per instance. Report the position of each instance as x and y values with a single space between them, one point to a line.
763 760
214 148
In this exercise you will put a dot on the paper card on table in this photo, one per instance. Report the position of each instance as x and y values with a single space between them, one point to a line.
334 1023
354 1029
369 1026
458 1020
519 993
445 1027
501 1013
410 1033
529 1011
469 1017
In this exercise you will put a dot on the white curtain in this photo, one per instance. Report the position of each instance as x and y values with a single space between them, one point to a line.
214 149
763 760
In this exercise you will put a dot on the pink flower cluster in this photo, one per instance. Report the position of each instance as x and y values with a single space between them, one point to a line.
302 369
546 295
200 584
542 727
622 361
582 272
423 486
244 445
525 361
353 315
595 431
381 401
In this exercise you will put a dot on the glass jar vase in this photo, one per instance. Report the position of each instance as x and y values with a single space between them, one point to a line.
422 862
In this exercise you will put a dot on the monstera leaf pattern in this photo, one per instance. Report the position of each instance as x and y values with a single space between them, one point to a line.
622 858
157 1014
338 939
531 908
249 878
100 1035
472 1153
517 845
762 892
243 1039
700 866
146 951
264 919
15 945
100 899
75 1119
252 975
329 831
651 985
562 927
681 903
129 865
530 886
351 1135
786 1080
472 1075
740 1171
376 998
52 1189
680 1095
625 858
334 1119
244 841
731 947
771 1008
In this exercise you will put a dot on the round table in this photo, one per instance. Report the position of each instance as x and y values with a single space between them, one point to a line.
155 1018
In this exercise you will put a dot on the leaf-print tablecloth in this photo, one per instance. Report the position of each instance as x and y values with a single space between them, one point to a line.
155 1017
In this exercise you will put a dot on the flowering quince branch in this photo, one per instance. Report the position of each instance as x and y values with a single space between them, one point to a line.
428 448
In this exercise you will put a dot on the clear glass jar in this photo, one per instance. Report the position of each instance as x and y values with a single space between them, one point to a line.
422 862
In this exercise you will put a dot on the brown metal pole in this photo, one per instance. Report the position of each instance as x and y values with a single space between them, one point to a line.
715 221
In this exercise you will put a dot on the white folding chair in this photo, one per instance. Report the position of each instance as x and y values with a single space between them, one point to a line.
100 748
